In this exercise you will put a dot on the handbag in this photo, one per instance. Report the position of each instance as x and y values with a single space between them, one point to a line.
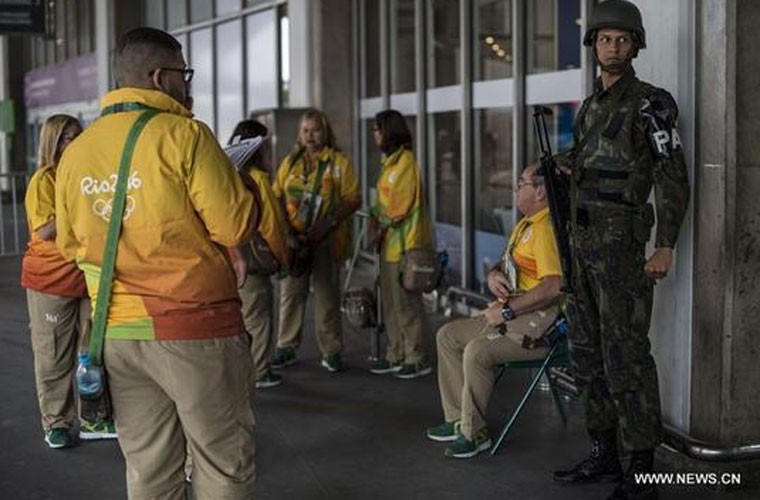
260 259
420 270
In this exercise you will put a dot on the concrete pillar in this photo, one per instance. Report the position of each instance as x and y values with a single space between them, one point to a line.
725 373
333 67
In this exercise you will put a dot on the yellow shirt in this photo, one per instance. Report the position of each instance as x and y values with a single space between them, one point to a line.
400 206
272 225
185 203
296 180
43 268
534 250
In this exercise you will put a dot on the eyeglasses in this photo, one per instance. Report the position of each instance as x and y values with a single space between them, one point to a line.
620 41
527 182
187 73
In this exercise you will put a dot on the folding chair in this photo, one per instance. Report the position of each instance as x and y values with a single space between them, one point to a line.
558 355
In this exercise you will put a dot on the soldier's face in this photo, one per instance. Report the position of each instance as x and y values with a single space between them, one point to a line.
614 49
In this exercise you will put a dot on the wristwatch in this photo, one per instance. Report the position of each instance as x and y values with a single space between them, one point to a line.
507 313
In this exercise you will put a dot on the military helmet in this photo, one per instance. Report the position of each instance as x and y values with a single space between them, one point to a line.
616 14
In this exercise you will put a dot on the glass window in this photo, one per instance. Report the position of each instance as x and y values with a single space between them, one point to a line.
403 62
444 65
203 82
493 186
86 32
229 77
445 158
60 32
154 14
251 3
176 14
554 35
493 40
371 59
226 6
261 39
71 41
201 10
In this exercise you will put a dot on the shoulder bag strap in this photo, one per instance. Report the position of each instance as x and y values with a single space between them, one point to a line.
114 229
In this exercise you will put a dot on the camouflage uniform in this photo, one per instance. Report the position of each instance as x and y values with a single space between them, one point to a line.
626 143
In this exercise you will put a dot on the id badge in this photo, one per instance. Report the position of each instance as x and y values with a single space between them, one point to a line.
304 207
510 271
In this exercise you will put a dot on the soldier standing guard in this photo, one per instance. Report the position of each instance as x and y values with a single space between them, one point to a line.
626 142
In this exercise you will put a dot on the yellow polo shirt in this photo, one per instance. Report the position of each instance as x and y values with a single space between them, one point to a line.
534 250
400 206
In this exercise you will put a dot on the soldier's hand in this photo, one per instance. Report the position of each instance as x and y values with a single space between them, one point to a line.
659 263
498 284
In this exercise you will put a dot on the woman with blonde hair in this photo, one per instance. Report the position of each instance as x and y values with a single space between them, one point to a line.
59 310
319 189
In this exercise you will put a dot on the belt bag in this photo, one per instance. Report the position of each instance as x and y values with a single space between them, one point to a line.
420 270
261 259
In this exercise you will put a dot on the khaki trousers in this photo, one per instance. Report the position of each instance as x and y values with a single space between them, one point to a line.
56 323
177 395
403 314
468 350
256 295
325 274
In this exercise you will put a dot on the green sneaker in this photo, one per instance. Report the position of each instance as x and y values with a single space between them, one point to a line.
383 366
58 438
269 379
447 431
101 430
414 370
332 363
468 448
283 356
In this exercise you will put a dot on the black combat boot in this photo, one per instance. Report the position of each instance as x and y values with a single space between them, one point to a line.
629 489
602 465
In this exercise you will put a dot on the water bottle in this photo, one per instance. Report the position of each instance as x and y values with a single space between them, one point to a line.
89 379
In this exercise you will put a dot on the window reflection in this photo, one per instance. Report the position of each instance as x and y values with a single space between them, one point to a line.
202 63
492 40
445 157
559 125
229 77
402 46
493 186
554 35
371 61
444 65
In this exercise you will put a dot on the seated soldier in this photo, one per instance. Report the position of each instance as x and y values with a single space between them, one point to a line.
527 288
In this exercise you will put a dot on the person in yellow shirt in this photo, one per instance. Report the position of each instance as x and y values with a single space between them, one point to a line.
526 285
401 222
256 292
175 351
319 189
59 308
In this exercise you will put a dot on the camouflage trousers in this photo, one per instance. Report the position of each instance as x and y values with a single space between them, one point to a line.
610 314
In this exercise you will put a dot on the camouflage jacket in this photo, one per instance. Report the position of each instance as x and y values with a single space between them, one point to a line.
626 142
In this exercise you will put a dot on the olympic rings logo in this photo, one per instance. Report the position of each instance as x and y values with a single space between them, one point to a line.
103 208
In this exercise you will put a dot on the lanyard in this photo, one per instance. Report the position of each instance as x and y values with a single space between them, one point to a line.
103 299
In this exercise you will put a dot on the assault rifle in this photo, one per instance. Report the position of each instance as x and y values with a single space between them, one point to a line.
557 192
